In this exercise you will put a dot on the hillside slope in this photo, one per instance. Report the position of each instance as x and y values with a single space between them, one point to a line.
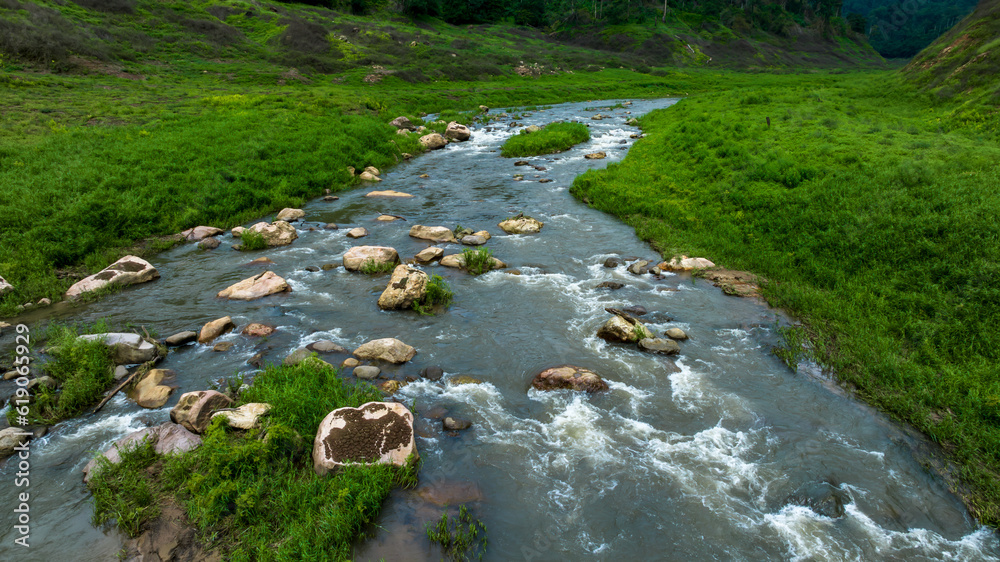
92 34
963 63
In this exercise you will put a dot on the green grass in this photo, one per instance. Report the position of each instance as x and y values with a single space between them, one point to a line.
254 494
462 537
84 370
372 267
554 137
871 212
251 240
438 294
478 261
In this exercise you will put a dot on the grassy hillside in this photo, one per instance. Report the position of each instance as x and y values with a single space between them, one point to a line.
872 214
965 61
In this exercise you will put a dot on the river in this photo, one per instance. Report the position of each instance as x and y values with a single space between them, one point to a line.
717 454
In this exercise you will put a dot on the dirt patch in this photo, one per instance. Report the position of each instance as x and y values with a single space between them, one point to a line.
735 283
108 69
169 537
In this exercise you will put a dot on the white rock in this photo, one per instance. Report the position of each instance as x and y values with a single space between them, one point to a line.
129 270
376 433
356 257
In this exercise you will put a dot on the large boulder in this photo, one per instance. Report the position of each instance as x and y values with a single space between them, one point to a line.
386 349
194 410
5 287
521 225
569 377
408 285
10 438
200 233
458 261
433 141
457 131
288 214
619 330
267 283
216 328
685 263
126 349
129 270
375 433
358 256
167 438
432 233
247 416
402 123
149 392
278 233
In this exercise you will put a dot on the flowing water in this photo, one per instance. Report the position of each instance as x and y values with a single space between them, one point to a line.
716 455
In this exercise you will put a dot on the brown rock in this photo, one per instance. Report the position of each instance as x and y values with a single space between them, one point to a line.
149 392
407 286
386 349
521 225
427 255
358 232
215 328
433 141
595 156
569 377
257 330
194 410
267 283
432 233
376 433
457 131
387 193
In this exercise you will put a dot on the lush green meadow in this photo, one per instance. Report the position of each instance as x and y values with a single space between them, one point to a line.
871 214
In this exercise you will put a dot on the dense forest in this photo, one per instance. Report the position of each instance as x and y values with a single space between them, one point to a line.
902 28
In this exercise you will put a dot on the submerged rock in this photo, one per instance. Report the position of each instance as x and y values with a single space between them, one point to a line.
387 193
129 270
455 424
432 373
326 346
569 377
659 345
377 432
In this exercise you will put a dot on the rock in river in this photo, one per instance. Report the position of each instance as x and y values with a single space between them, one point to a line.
215 328
194 410
267 283
278 233
521 225
150 392
659 345
377 432
407 286
457 131
290 215
432 233
358 256
129 270
166 438
433 141
386 349
618 330
126 349
569 377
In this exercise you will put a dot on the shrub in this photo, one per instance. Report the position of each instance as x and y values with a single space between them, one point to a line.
252 240
438 294
372 267
554 137
478 261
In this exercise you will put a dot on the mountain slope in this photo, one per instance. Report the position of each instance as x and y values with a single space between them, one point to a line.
963 63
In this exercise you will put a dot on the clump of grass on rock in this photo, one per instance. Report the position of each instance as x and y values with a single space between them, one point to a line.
554 137
477 261
438 294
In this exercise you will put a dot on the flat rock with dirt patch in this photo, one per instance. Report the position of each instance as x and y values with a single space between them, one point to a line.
129 270
375 433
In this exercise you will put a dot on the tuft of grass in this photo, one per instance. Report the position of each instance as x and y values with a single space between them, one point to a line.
640 332
372 267
255 492
252 240
462 537
478 261
554 137
438 294
84 370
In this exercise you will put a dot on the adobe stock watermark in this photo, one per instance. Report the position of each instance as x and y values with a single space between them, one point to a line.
22 451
